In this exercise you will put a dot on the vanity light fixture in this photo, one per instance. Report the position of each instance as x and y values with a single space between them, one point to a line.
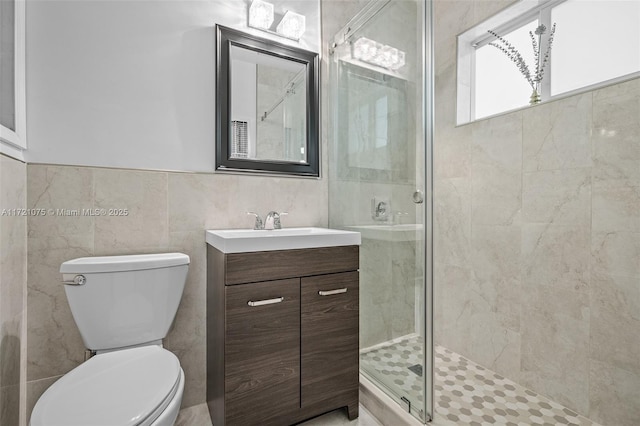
292 25
261 14
375 53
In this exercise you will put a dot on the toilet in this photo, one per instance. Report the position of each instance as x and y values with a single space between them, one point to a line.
123 307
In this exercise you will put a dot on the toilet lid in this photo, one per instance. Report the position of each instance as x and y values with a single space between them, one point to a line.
123 388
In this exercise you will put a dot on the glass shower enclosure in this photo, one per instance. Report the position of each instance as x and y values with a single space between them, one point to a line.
380 186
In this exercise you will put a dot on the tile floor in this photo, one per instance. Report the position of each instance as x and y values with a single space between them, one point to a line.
465 393
392 365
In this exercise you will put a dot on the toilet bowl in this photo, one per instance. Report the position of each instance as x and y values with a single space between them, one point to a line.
123 307
131 387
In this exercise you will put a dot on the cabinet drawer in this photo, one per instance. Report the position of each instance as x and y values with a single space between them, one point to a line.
262 352
273 265
329 323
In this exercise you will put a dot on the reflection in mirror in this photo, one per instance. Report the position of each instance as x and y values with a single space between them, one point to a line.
377 124
267 106
268 120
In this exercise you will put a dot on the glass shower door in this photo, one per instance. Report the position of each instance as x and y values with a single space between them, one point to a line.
377 185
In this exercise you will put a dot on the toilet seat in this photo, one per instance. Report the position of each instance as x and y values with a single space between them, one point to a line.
129 387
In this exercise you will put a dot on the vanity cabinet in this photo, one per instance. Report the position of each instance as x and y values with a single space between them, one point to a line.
282 335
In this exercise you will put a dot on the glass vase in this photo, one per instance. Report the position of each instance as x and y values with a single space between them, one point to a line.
535 97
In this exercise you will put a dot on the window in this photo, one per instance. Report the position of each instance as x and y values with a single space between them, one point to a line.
12 94
602 45
597 42
494 71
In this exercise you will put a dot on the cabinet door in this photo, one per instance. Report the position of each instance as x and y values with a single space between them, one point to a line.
262 352
329 311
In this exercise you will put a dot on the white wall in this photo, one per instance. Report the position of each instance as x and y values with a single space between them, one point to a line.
131 83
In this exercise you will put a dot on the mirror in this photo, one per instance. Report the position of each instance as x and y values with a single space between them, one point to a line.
267 106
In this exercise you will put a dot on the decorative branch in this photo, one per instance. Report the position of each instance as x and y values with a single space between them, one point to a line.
536 50
514 55
547 53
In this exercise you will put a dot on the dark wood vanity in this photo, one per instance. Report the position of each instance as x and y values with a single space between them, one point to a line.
282 335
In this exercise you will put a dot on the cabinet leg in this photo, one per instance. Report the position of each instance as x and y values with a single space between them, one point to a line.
352 411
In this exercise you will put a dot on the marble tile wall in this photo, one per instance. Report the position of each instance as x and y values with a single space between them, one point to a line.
537 236
387 293
167 212
13 286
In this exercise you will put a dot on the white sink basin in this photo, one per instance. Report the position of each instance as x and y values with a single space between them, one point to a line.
248 240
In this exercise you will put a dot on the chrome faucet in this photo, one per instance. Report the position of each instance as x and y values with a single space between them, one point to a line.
272 221
259 224
380 211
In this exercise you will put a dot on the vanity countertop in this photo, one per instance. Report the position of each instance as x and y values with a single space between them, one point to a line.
251 240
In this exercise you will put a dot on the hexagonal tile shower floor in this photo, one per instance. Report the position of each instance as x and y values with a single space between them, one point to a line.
465 392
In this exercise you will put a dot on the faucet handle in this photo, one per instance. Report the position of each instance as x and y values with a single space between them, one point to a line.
259 224
272 220
278 224
380 210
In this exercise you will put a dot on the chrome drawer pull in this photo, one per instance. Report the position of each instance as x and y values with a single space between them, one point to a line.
331 292
77 280
265 302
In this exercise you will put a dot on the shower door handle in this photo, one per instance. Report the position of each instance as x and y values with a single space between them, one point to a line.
418 197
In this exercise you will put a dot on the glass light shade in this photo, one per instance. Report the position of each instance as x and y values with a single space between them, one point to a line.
364 49
292 25
384 56
261 14
399 61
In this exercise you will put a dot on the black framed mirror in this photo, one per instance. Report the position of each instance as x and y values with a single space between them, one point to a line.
267 106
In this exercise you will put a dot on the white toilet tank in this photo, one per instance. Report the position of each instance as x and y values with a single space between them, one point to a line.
124 300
